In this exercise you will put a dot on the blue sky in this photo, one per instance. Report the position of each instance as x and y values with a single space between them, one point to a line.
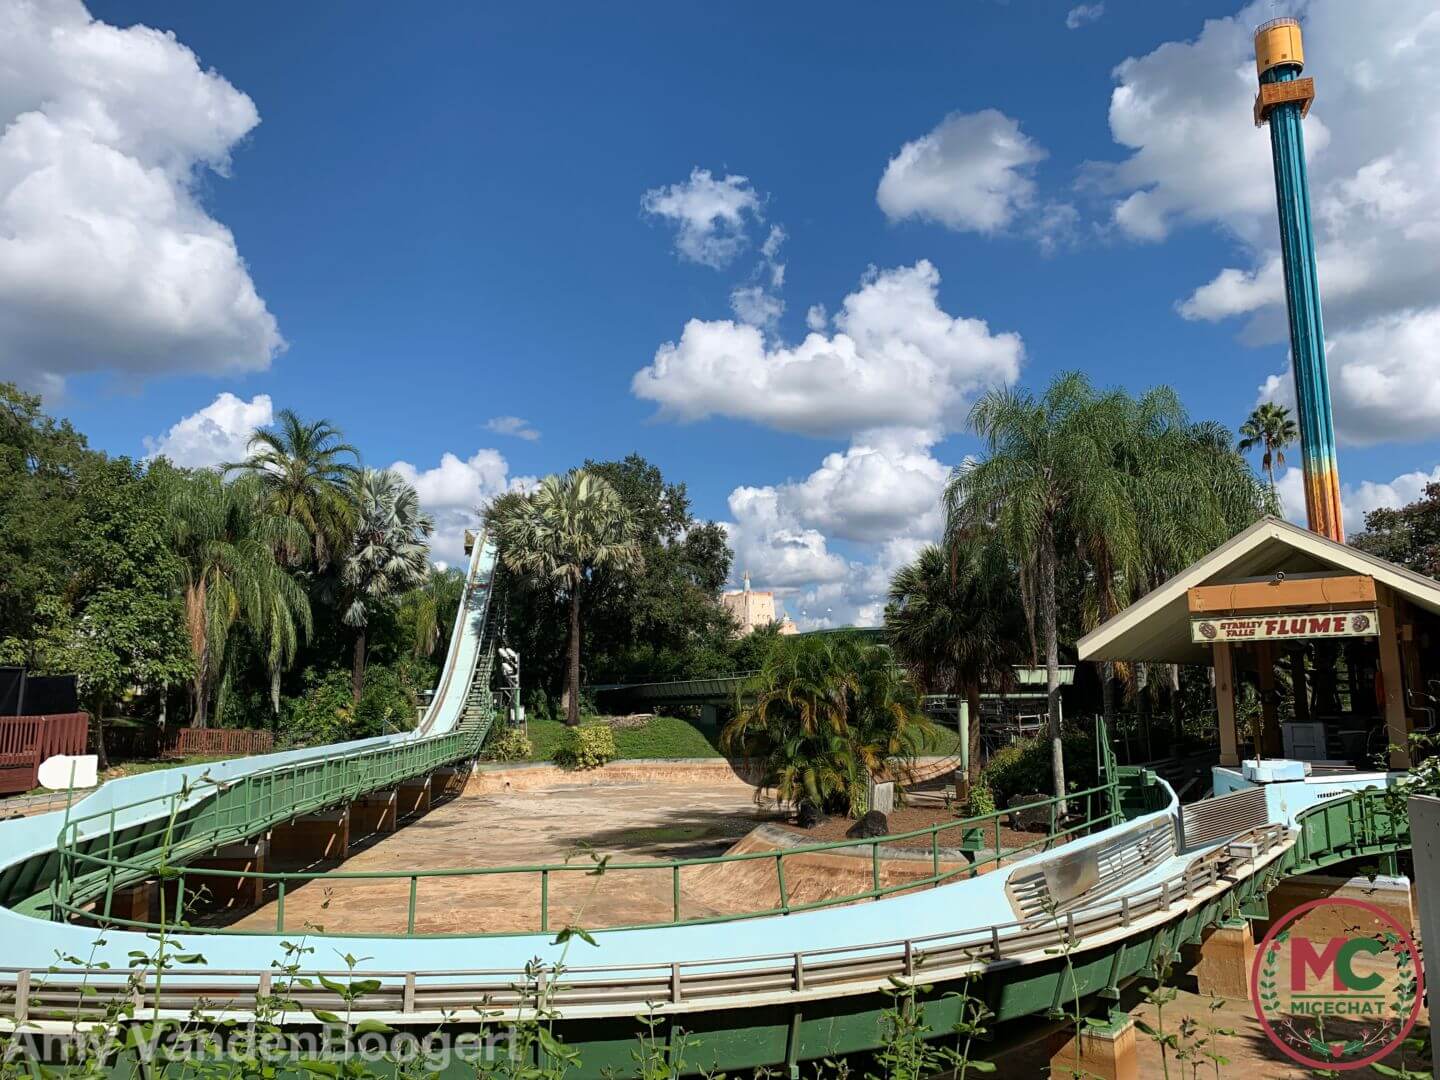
442 211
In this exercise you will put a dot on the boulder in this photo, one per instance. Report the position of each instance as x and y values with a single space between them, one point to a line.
1036 819
872 825
808 815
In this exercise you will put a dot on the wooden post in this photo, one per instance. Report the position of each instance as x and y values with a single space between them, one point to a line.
1225 702
1270 739
1392 677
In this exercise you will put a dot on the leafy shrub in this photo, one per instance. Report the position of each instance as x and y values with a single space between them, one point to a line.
1024 768
326 713
981 802
586 747
509 744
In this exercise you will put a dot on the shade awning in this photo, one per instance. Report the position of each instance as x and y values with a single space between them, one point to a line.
1156 628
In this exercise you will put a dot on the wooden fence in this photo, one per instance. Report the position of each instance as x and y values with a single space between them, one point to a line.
218 741
26 741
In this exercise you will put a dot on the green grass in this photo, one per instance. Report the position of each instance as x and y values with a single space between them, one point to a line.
672 737
662 737
940 742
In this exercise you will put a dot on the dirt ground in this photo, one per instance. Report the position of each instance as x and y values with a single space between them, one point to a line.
631 822
910 818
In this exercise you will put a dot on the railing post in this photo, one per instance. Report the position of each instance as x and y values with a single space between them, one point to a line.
935 855
280 907
410 916
675 983
875 868
544 901
799 971
675 892
22 996
780 877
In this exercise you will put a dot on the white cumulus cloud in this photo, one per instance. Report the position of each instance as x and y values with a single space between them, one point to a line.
455 493
971 173
896 360
108 260
1081 14
882 495
218 433
1356 500
710 215
1373 144
512 425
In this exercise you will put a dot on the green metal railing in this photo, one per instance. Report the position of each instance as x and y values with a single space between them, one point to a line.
104 867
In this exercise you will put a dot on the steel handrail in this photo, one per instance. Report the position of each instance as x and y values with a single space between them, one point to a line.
877 962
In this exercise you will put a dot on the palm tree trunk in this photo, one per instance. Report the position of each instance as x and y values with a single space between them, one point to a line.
572 674
972 698
357 670
1050 631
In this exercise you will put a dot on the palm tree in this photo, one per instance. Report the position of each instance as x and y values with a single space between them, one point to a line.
225 538
308 473
388 555
954 620
432 607
825 715
1270 428
559 535
1045 464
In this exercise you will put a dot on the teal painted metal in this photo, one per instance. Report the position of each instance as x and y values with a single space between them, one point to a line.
1302 299
1063 968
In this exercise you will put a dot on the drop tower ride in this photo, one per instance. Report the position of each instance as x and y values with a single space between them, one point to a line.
1283 101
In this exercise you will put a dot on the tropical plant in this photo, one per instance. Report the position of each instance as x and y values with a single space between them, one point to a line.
308 473
954 620
558 536
432 606
825 715
1045 465
388 555
1270 428
226 537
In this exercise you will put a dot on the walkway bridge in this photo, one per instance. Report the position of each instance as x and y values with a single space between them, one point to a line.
1135 877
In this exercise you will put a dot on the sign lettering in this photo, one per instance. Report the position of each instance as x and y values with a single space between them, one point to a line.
1286 626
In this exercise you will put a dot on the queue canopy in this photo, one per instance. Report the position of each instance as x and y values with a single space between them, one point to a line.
1162 627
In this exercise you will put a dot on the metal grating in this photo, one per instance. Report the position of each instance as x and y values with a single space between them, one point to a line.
1222 818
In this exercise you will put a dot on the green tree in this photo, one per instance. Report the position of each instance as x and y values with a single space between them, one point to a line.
308 473
39 513
1409 536
1044 462
1270 428
389 554
227 541
558 536
826 714
117 623
430 609
955 621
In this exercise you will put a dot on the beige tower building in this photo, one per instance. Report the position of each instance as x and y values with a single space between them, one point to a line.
753 608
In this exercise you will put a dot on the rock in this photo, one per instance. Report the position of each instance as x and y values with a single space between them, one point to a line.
808 815
1036 819
869 827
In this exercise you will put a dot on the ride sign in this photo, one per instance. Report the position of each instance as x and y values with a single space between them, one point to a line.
1284 626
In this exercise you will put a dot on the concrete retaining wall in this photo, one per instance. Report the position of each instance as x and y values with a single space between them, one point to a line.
490 778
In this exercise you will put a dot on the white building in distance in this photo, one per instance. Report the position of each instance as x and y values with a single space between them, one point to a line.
754 608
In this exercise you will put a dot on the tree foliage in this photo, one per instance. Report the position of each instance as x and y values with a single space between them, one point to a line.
826 714
1409 536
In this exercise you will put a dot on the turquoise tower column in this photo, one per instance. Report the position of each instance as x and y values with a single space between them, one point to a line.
1283 102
